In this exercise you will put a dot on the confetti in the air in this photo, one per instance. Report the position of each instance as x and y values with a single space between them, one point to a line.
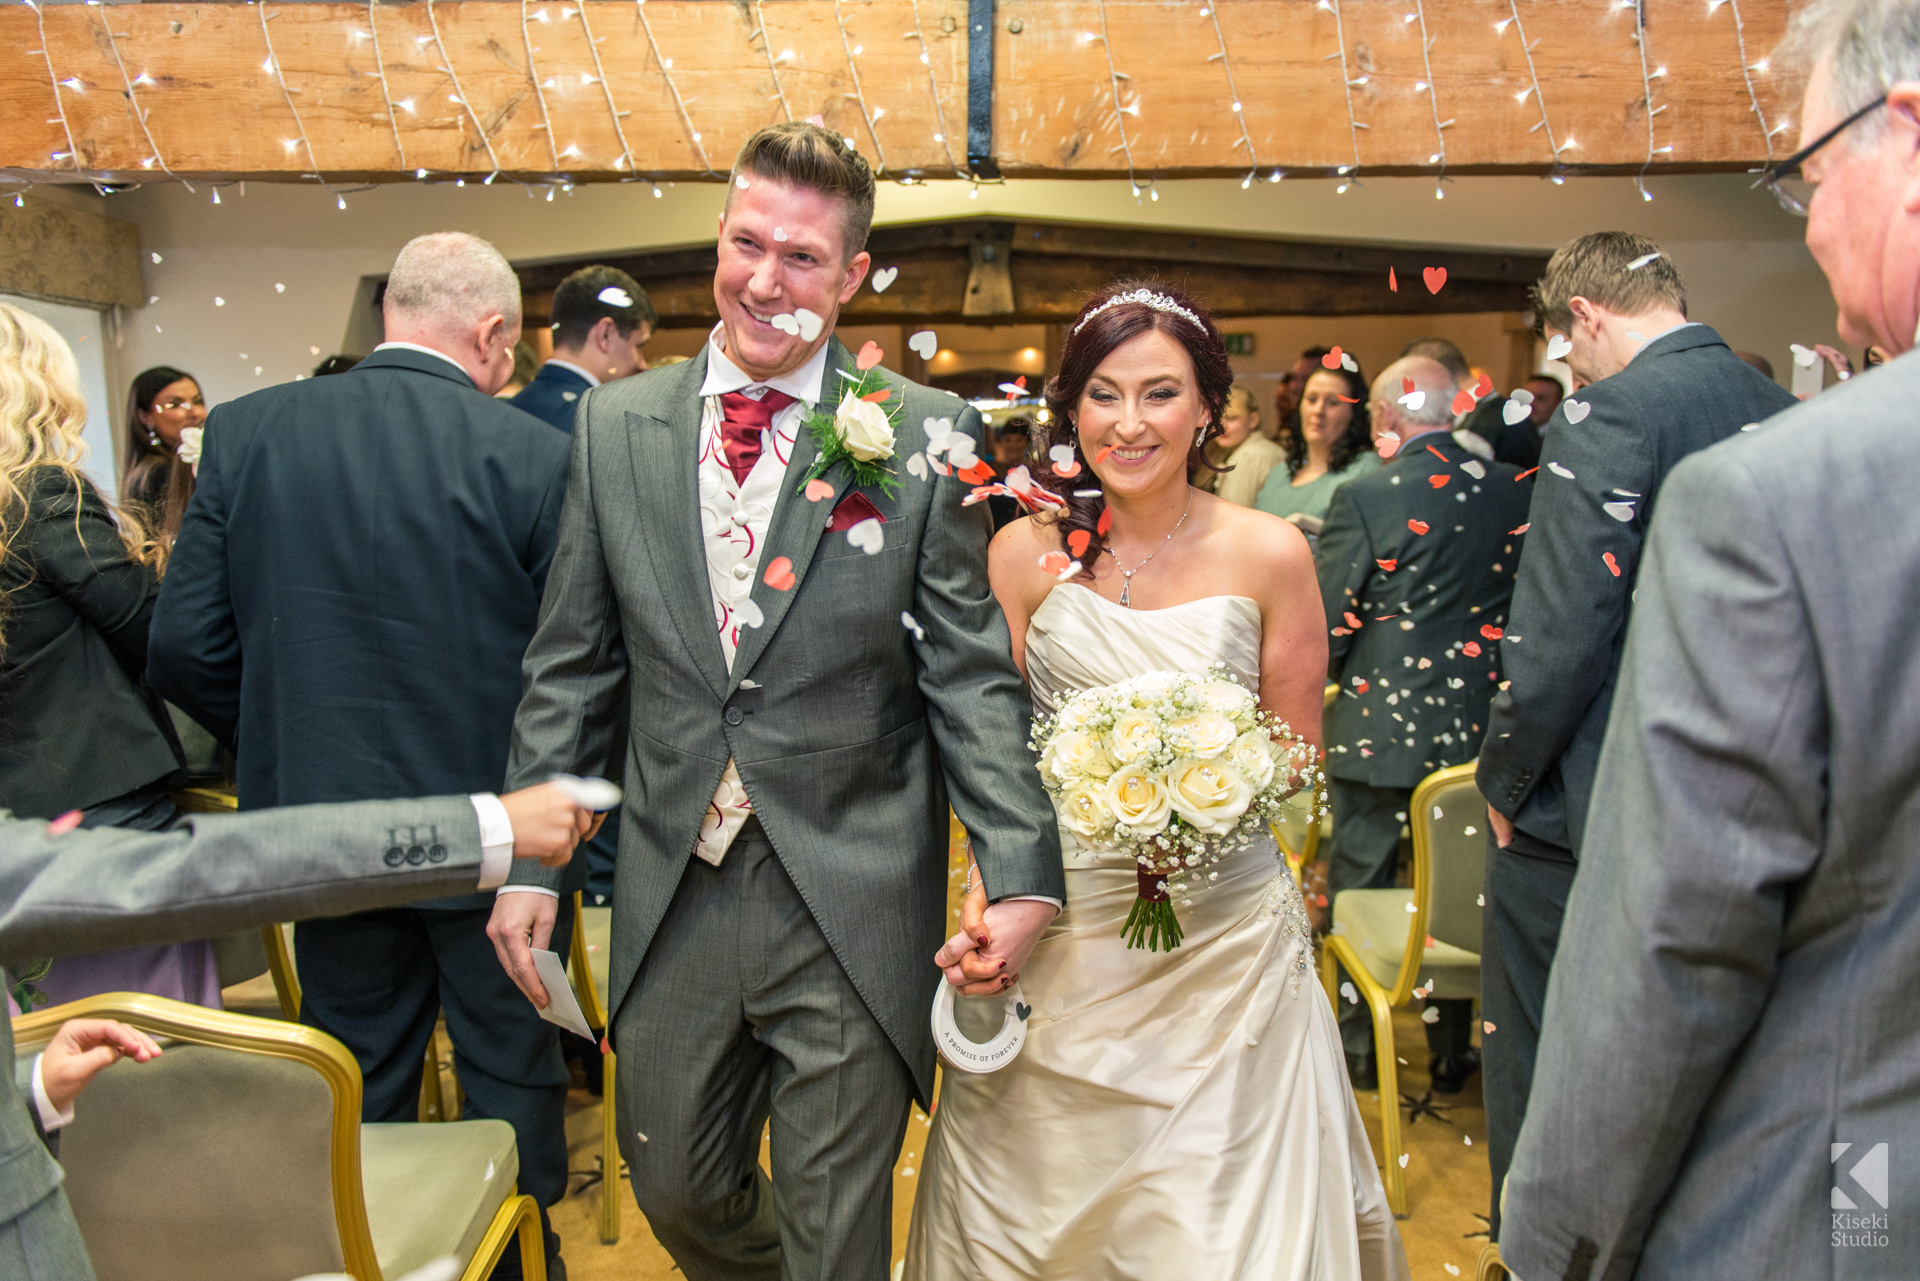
1576 411
1613 565
1642 260
1436 278
911 624
615 296
779 575
924 344
883 278
870 355
1418 526
1558 347
867 536
818 489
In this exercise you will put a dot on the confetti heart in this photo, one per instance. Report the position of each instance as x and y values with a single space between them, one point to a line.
779 575
314 350
1513 411
1558 347
1622 512
912 624
810 324
1484 386
615 296
1413 400
917 466
740 181
1491 632
978 474
1055 561
1078 540
1558 470
1425 663
1440 481
1417 526
1406 386
1430 1015
1522 395
1487 1028
1642 260
1352 620
1101 457
1393 281
867 536
1613 566
1474 468
878 397
1471 649
884 277
749 614
1462 402
279 289
1017 388
870 355
923 344
818 122
69 820
1348 363
1403 1160
1436 278
780 234
1388 566
1105 522
1347 990
1577 411
1387 444
818 489
1803 356
1515 533
1332 359
786 323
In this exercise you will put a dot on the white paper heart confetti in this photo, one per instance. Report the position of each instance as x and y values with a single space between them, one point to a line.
1622 512
1474 468
786 324
912 624
1353 997
1642 260
740 181
1577 410
1560 471
780 234
615 296
1413 400
867 536
1513 411
1558 347
1804 356
749 614
917 466
1347 362
810 324
883 278
924 344
1522 395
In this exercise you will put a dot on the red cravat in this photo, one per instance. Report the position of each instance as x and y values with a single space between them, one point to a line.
742 419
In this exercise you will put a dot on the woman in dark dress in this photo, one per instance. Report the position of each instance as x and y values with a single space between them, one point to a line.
165 411
79 729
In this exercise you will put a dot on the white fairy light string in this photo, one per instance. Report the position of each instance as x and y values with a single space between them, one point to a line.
1746 73
133 102
859 94
1239 115
272 67
666 72
460 94
766 47
1114 77
1539 96
72 153
1646 81
380 70
1351 173
619 131
933 88
539 94
1433 100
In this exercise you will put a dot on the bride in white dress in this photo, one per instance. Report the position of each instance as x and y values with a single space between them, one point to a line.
1180 1114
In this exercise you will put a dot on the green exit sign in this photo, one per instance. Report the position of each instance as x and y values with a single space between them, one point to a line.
1238 344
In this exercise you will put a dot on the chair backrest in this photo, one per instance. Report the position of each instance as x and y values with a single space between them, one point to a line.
235 1154
1449 820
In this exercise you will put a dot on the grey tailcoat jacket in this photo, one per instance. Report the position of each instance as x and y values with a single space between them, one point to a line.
1728 1084
106 887
852 733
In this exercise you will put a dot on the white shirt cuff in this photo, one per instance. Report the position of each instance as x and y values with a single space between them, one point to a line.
50 1119
525 889
1032 898
496 839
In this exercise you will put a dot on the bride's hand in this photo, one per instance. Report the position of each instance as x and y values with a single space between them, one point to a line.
963 958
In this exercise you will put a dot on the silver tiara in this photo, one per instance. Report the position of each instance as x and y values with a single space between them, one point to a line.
1145 297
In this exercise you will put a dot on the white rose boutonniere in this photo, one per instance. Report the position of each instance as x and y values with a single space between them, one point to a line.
862 431
188 450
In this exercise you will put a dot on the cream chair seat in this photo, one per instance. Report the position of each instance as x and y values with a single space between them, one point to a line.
433 1190
592 935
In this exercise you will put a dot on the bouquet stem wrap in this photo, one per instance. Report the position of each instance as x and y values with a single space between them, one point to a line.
1152 923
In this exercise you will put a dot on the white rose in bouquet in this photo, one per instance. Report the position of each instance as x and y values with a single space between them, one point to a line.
1252 755
1206 734
1235 702
1077 714
1152 687
1074 753
863 428
1209 794
1083 809
1134 737
1138 799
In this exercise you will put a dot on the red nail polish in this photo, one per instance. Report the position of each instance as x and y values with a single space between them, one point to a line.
1003 965
982 940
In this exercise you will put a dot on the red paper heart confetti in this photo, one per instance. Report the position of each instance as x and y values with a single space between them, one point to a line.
1388 566
1077 542
1406 386
1101 457
1417 526
818 489
1351 620
65 823
1393 281
1515 533
1105 522
1439 482
1528 472
1359 686
1055 562
779 575
1471 649
1332 359
978 474
1491 632
1481 388
1462 402
1436 278
1612 564
1351 400
870 355
878 397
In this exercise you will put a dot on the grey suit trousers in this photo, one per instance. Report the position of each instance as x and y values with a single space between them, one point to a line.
44 1244
742 1007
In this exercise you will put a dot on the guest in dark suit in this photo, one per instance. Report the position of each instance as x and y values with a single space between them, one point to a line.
1416 564
1516 436
1656 389
354 586
602 320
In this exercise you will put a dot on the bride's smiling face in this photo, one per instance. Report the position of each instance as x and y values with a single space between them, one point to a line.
1141 409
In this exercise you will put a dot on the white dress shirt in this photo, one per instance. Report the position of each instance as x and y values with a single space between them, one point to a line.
414 346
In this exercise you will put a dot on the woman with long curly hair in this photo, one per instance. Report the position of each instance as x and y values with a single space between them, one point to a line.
1332 445
79 728
1172 1114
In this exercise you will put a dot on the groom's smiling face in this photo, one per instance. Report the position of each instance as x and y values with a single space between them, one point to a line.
782 248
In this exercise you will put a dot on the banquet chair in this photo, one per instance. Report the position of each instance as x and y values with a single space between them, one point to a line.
592 928
1396 941
239 1154
1491 1267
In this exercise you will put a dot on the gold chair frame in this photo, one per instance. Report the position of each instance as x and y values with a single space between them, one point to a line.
590 1006
1297 860
1492 1267
1336 951
517 1216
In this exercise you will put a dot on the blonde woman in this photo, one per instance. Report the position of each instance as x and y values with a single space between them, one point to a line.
1243 455
79 729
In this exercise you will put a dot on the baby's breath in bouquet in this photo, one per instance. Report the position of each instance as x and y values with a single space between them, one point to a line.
1174 768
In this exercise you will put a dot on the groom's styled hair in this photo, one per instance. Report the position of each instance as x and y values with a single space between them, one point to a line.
805 155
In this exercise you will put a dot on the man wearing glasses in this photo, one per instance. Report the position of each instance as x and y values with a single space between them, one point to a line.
1746 919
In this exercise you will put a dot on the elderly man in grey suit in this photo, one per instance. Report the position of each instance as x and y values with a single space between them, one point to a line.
816 668
64 891
1747 913
1656 389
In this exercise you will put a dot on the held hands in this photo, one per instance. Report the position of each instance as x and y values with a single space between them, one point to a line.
994 939
1502 827
520 923
82 1049
547 824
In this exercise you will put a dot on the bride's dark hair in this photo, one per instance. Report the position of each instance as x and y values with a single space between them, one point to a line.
1091 339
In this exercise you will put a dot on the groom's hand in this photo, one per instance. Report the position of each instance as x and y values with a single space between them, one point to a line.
520 923
993 943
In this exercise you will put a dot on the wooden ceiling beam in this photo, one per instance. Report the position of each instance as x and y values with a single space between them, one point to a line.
464 88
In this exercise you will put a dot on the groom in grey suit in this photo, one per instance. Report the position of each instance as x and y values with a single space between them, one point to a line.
1747 910
813 678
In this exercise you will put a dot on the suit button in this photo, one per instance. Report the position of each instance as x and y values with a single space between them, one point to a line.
416 855
735 716
436 853
395 856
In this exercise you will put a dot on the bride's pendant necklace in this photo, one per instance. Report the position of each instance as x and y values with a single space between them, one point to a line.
1126 575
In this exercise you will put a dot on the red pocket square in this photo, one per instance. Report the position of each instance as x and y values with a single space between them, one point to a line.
850 511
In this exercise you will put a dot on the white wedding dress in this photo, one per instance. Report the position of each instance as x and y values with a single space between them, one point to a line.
1173 1115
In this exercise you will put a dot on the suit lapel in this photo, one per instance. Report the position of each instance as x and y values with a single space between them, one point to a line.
663 447
797 524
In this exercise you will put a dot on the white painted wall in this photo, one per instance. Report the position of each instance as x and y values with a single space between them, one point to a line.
1747 273
85 332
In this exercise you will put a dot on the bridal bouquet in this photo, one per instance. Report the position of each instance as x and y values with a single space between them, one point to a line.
1175 768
